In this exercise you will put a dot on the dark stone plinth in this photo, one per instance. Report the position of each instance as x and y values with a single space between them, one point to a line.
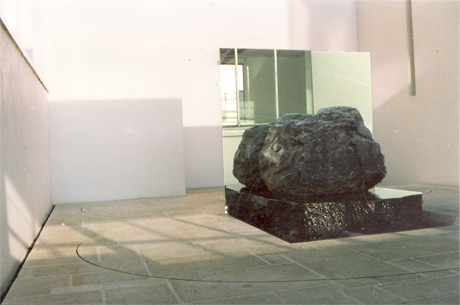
377 211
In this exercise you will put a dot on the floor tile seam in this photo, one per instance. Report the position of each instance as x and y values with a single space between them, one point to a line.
21 278
433 298
81 263
197 246
418 281
106 286
188 277
144 264
440 253
44 277
370 239
259 257
403 300
431 264
221 300
103 297
339 290
51 264
372 256
410 301
429 255
322 276
420 273
344 294
411 271
174 292
203 254
411 234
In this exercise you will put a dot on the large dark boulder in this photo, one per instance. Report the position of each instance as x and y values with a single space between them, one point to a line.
331 152
246 160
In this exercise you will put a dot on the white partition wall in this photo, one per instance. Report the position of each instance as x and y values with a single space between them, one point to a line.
25 186
108 150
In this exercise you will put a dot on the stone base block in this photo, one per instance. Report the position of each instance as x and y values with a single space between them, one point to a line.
377 211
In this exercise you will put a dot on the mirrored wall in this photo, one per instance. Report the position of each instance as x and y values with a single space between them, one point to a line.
266 84
260 85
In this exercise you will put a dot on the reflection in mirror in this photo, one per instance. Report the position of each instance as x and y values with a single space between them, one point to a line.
267 84
270 83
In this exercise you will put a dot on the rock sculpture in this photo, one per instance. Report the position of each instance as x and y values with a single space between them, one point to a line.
301 155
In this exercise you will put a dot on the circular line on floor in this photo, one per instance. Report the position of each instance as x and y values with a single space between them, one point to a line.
252 281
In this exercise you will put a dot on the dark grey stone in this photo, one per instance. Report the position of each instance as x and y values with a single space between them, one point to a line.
331 152
324 217
246 160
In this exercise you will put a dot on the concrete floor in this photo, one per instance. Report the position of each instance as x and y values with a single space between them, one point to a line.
186 250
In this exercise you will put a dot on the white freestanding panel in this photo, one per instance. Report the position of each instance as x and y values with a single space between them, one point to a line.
108 150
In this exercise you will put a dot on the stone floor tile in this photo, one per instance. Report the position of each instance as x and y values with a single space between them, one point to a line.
192 236
453 299
189 266
256 299
131 265
47 271
234 225
316 295
373 295
273 259
271 273
93 297
341 261
425 269
409 248
425 289
52 257
429 231
31 287
213 246
106 278
156 294
168 249
442 260
371 238
271 250
191 292
62 238
55 261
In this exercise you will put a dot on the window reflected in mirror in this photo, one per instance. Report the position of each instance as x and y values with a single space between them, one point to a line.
266 84
260 85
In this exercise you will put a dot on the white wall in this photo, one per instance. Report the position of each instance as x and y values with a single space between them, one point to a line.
419 134
108 150
123 50
25 187
343 79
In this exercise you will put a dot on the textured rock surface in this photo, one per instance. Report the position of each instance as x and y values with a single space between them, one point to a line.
246 161
327 217
331 152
